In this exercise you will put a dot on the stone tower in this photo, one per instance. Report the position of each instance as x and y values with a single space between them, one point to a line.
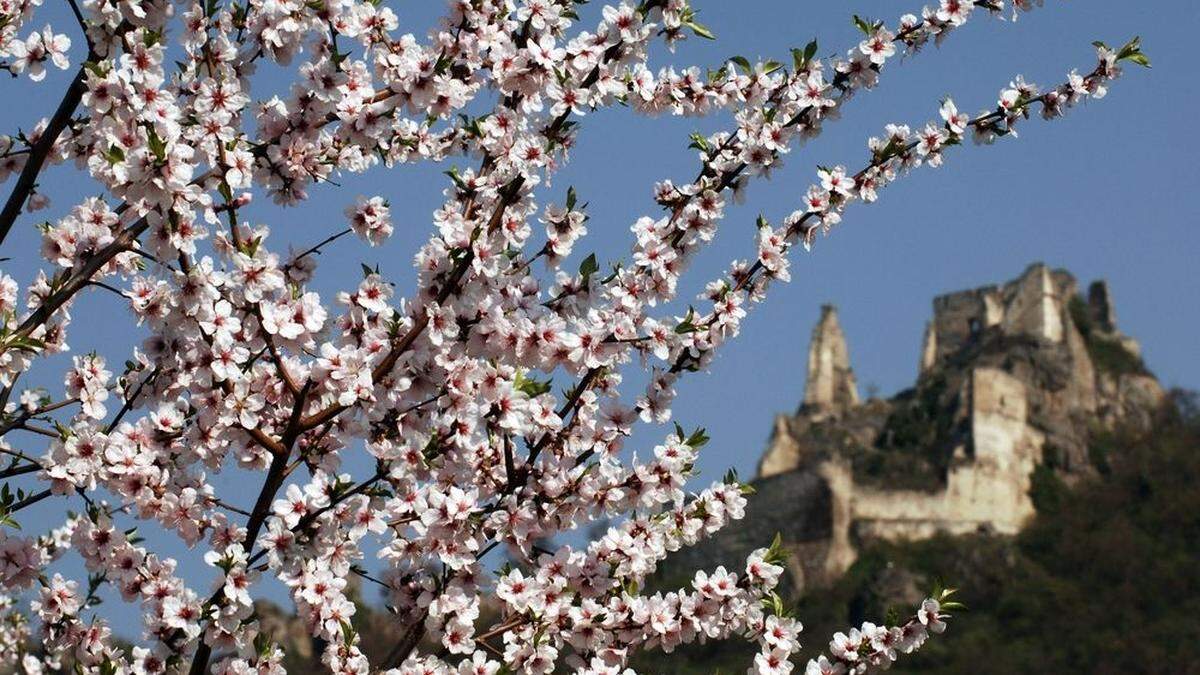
830 387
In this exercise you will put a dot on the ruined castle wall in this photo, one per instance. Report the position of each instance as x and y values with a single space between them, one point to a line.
957 317
1034 307
1034 304
991 491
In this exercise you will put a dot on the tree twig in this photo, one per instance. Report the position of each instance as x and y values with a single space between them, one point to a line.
40 151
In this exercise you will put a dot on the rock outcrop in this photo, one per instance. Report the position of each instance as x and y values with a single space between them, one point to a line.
1013 379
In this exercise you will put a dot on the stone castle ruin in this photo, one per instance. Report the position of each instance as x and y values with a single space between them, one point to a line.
1012 379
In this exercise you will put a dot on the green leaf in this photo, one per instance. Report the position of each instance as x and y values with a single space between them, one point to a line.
157 145
777 605
700 30
1140 59
432 446
775 553
263 644
1131 47
798 60
686 327
688 324
1132 51
114 154
743 62
250 247
1129 52
588 267
529 386
26 344
802 57
458 181
678 433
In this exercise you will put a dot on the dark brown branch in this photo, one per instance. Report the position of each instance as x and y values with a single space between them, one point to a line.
49 433
20 470
409 642
40 151
128 404
29 501
317 249
80 279
82 23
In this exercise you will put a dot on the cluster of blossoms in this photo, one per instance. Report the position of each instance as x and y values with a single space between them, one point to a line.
29 53
873 648
446 393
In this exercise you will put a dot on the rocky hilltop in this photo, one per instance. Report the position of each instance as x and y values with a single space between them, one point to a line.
1013 380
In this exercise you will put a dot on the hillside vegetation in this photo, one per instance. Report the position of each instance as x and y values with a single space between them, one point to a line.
1105 580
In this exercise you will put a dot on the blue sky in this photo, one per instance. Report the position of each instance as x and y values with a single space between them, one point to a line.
1107 192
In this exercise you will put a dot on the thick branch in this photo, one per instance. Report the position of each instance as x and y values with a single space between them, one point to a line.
40 151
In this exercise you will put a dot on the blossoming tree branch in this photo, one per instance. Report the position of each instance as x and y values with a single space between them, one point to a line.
446 392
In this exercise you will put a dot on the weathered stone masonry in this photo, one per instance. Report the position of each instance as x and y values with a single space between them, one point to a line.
1006 382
